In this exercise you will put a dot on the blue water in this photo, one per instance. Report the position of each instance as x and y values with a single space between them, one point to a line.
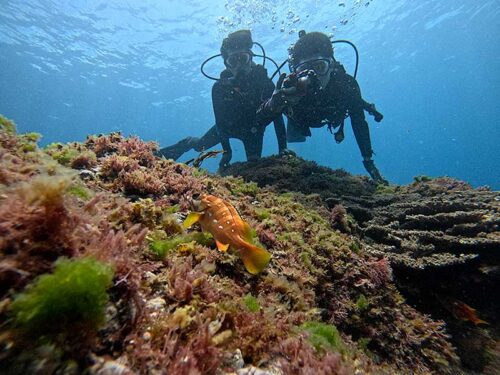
72 68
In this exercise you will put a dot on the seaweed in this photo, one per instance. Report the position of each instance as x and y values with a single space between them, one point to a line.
160 245
7 125
73 296
251 303
323 336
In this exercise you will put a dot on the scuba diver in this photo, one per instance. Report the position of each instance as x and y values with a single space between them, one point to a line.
319 92
242 87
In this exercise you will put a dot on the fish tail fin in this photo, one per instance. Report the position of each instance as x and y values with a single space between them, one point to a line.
254 258
480 321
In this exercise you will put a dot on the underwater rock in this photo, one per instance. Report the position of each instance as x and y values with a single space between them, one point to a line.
430 223
292 173
441 236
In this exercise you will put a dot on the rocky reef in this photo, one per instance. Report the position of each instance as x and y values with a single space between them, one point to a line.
441 237
98 276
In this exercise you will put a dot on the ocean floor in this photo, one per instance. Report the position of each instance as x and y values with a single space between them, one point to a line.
98 275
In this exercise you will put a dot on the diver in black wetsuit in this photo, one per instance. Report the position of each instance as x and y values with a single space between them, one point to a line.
243 86
319 92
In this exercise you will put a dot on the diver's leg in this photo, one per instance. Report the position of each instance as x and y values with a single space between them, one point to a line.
209 140
177 150
253 146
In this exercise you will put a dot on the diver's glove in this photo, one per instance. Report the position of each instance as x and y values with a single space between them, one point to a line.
374 173
377 116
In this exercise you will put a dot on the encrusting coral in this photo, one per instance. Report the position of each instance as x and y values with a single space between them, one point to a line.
176 304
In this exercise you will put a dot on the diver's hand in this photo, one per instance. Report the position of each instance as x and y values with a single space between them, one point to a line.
284 95
374 172
372 110
287 152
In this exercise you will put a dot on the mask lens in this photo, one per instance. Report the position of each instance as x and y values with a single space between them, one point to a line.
238 59
319 66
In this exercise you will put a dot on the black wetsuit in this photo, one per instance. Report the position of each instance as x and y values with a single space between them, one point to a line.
235 103
340 99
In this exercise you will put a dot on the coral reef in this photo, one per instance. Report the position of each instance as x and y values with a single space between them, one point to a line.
326 304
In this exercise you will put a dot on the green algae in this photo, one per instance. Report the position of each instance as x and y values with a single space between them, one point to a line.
262 214
7 125
63 154
160 245
354 246
172 209
251 303
73 295
323 336
422 179
363 343
245 188
382 189
306 259
28 141
80 191
362 303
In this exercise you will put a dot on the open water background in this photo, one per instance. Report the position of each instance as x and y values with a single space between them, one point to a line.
72 68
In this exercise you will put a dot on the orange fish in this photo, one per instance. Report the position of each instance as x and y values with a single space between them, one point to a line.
228 229
464 312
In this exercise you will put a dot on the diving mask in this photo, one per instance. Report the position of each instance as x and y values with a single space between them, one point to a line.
238 59
319 66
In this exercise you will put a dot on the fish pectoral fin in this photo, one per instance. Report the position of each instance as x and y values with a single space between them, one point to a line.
192 218
254 258
222 247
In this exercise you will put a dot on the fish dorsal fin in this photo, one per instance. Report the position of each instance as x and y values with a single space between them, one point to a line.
192 218
221 246
247 232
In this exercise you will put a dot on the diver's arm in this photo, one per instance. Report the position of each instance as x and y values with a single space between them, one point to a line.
221 124
356 113
362 134
264 115
273 105
279 124
361 130
279 128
